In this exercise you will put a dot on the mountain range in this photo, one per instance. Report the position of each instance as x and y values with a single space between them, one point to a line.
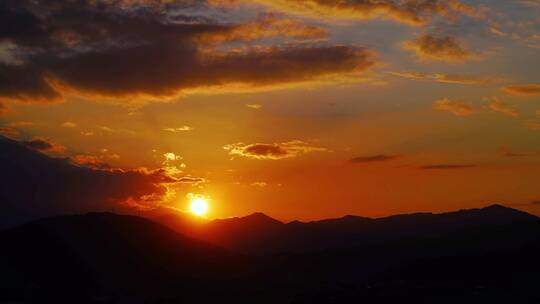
487 255
260 234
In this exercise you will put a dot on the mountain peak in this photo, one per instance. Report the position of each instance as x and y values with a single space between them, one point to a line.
497 206
259 216
505 210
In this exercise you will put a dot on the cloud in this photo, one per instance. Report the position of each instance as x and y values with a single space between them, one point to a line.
267 25
255 106
526 89
43 145
447 166
442 48
171 157
9 132
191 180
178 129
23 123
95 161
273 151
37 185
414 13
91 49
443 78
455 107
496 105
506 152
90 161
69 124
112 130
3 109
87 133
372 158
259 184
533 125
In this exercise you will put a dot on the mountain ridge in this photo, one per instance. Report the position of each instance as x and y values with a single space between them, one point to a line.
258 233
102 257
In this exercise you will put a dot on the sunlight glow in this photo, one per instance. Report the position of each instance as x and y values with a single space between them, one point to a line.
199 206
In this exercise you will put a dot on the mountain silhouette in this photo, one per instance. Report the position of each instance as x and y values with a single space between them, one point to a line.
487 255
110 255
261 234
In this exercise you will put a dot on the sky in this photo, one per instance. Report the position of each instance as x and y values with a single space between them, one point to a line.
301 109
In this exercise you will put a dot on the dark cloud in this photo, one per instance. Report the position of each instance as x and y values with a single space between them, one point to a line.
447 166
127 49
35 185
43 145
272 151
506 152
372 158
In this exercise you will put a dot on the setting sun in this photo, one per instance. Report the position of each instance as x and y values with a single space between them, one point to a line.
199 206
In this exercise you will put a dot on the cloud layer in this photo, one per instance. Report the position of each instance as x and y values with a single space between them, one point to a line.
131 49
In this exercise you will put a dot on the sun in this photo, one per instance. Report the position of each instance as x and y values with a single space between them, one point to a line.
199 206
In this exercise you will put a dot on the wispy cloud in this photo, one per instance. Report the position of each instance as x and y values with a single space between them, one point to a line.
444 78
255 106
178 129
446 166
498 106
458 108
526 89
372 158
69 124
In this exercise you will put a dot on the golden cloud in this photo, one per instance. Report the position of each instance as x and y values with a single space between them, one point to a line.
412 12
455 107
444 78
496 105
443 48
266 26
526 89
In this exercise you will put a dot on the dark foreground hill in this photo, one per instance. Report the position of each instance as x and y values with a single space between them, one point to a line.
104 256
108 258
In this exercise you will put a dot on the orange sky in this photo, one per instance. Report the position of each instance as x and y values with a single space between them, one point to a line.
299 109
